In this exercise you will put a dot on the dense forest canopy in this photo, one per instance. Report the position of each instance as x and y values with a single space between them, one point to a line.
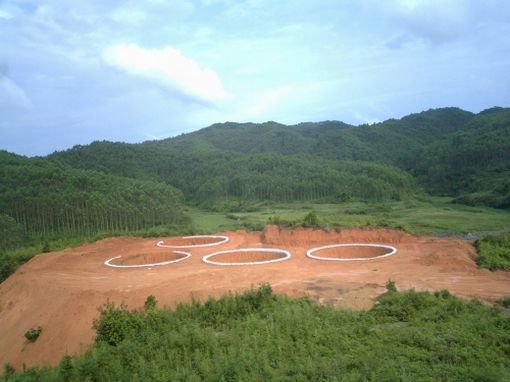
209 175
472 163
449 151
46 198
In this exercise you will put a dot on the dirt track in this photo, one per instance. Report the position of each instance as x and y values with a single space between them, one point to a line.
61 291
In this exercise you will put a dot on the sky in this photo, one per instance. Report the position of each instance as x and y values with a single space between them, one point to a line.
72 72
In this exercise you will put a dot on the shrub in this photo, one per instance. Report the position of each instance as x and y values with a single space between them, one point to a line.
311 220
66 368
115 324
150 302
33 333
494 252
46 247
504 302
391 286
9 370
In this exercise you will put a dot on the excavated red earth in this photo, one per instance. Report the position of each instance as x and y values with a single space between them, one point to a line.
148 258
179 241
61 291
351 252
246 257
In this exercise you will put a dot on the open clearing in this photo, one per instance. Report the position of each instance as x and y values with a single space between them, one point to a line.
61 291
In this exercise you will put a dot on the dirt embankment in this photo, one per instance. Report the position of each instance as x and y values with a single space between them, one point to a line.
62 291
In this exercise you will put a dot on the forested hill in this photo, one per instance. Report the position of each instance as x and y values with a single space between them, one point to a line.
385 142
448 151
472 163
211 175
41 197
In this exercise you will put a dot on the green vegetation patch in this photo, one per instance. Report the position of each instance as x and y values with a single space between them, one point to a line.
33 334
494 252
257 336
420 216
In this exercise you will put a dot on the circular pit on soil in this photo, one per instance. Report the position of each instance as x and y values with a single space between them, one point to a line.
147 260
248 256
352 252
196 241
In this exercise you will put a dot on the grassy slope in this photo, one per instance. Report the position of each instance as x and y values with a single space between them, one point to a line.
431 215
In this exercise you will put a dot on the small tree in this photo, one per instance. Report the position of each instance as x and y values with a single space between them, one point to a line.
391 286
113 324
150 302
66 368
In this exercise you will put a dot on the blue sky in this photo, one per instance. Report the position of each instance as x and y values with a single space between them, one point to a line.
76 71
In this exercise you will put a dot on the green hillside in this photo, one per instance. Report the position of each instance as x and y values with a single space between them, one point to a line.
258 336
48 199
385 142
450 152
472 163
208 175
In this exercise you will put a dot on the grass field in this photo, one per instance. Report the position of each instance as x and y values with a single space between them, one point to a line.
425 216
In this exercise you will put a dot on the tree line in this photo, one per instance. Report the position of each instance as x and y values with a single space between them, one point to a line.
44 198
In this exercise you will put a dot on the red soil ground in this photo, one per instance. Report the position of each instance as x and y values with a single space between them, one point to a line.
246 257
191 241
61 291
351 252
148 258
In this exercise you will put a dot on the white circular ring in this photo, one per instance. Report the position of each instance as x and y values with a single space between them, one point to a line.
287 254
109 264
310 252
224 239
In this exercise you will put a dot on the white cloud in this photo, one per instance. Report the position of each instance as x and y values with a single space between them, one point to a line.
167 67
11 95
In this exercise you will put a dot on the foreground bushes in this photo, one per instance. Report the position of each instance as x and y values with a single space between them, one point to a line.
494 252
259 336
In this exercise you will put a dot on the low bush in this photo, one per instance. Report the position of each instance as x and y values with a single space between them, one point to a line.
494 252
311 220
504 302
33 334
150 302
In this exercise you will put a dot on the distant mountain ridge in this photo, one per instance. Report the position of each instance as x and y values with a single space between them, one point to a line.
331 139
424 145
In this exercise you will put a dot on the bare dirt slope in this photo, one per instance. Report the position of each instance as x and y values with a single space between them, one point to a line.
62 291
